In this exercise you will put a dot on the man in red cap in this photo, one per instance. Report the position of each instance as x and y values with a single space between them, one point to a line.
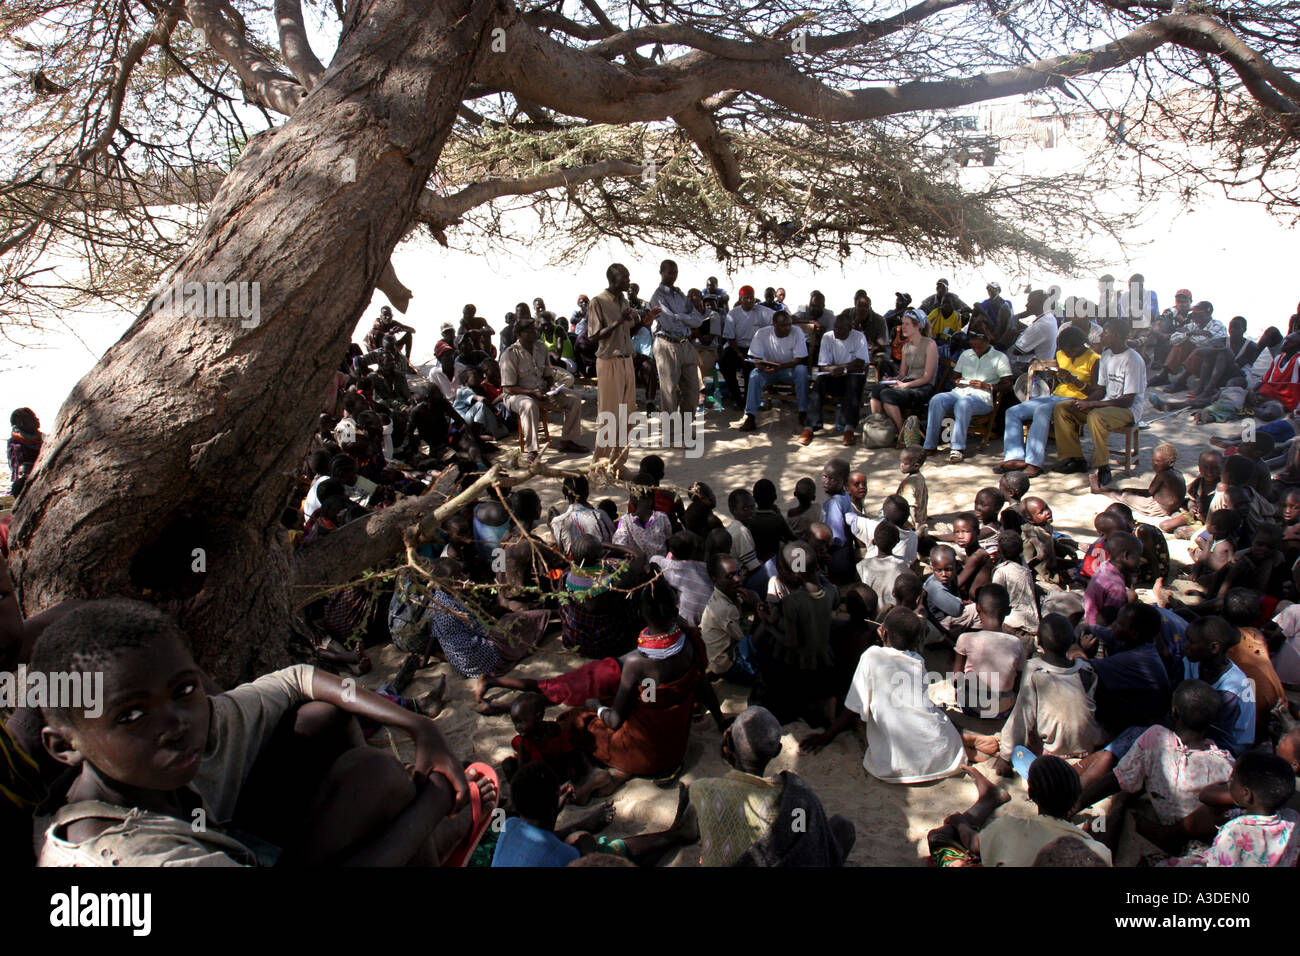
1163 328
738 331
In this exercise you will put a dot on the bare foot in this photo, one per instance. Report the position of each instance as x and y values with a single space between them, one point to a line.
986 787
430 704
481 687
487 788
686 825
598 818
1161 595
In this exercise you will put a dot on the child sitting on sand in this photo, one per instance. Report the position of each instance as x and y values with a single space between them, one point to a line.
742 507
1265 833
977 563
1046 553
163 749
909 738
966 839
913 487
1174 766
538 740
1012 574
988 509
645 527
942 600
1013 486
731 651
1055 710
802 516
768 525
1110 587
1104 523
1167 493
1209 469
1205 657
1214 547
531 838
880 570
988 661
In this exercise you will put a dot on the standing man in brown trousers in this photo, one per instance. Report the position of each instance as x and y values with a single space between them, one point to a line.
610 321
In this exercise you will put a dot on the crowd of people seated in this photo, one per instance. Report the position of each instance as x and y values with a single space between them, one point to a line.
833 612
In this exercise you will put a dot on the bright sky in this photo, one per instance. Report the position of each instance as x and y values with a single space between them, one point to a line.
1233 254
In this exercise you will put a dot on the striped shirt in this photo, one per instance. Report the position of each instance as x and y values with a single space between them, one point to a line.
691 581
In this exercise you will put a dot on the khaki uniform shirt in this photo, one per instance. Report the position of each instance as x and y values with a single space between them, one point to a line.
526 369
606 311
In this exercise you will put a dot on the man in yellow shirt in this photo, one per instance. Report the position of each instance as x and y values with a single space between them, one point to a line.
1075 373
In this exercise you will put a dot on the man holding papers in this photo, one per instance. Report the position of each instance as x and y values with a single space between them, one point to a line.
841 371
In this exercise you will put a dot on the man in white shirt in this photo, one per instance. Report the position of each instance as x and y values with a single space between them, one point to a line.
1038 340
737 332
981 373
1137 303
1203 328
779 354
1115 401
841 372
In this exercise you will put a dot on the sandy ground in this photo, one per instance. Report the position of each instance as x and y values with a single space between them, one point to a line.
891 820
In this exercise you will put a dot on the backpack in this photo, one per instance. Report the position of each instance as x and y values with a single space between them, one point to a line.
878 431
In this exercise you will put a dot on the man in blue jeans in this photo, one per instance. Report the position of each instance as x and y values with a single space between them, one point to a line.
779 354
981 372
1075 373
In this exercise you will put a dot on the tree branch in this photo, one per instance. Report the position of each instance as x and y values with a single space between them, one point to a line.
704 131
442 211
298 54
765 48
263 83
581 84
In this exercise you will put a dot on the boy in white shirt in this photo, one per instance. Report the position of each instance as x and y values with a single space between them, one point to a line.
880 571
1011 573
909 738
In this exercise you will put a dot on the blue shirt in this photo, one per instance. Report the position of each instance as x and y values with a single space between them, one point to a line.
834 510
1234 728
676 316
522 844
1134 688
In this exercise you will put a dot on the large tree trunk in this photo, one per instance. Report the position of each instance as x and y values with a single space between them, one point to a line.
189 431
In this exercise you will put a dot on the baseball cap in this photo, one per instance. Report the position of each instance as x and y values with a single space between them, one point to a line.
995 287
447 325
1183 294
746 290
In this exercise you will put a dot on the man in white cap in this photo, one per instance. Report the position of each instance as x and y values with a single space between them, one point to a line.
1000 315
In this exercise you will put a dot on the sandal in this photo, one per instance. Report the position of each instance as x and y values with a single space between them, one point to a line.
956 458
480 815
